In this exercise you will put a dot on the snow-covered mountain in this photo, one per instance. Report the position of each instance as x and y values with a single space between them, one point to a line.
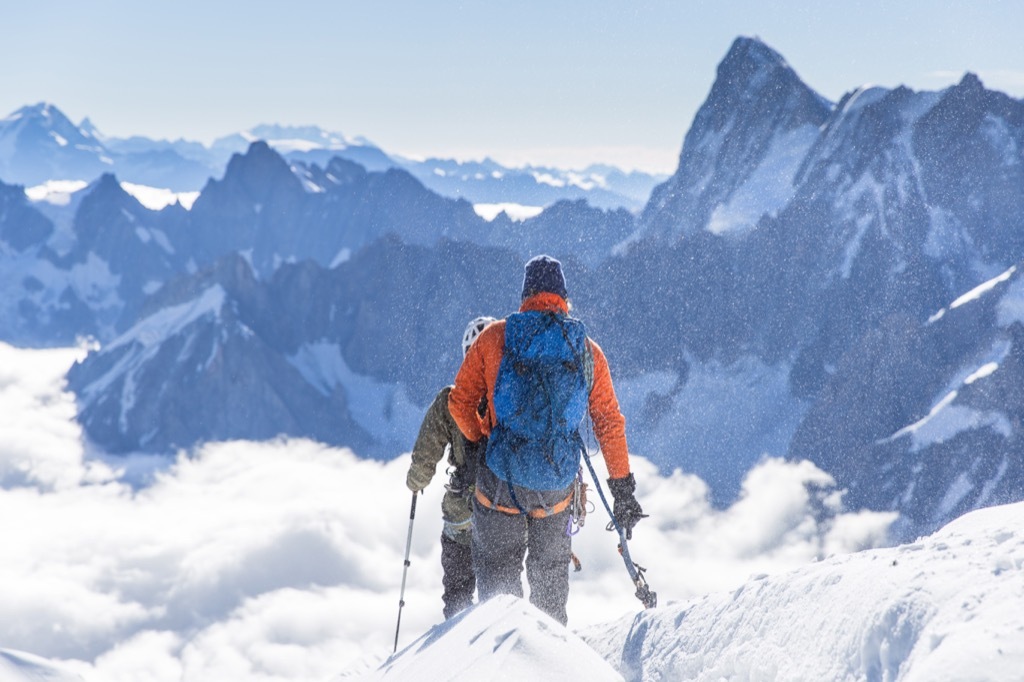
69 275
487 182
479 182
39 144
302 353
880 210
940 608
773 298
80 259
202 356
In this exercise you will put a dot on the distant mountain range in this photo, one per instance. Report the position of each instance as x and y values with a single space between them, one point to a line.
806 283
39 143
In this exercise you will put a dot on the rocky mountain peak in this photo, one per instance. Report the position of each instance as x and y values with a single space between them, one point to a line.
754 81
259 169
106 191
750 55
45 118
256 178
756 107
971 83
89 129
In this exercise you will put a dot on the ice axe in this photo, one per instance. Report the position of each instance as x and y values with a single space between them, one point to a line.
636 572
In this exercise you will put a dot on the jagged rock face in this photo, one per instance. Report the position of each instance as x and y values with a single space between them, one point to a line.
864 227
223 355
898 203
276 214
262 207
925 417
135 242
758 111
892 247
567 230
397 311
43 303
114 252
258 197
970 146
207 368
85 272
21 226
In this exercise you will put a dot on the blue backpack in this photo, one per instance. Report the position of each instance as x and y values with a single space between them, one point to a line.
540 398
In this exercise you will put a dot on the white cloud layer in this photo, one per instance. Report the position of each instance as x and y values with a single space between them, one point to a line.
516 212
283 560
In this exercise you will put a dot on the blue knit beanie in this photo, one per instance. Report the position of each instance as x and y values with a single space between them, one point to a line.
543 274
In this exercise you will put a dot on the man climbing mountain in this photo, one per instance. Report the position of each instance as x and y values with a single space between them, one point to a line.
541 375
439 433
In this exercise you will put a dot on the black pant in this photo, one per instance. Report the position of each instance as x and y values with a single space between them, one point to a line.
459 581
501 541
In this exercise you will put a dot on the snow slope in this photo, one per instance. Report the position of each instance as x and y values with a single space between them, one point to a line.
18 666
946 607
504 638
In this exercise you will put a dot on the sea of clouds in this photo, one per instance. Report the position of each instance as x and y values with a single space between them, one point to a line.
283 560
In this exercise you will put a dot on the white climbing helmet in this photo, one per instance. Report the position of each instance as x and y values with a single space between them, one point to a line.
473 330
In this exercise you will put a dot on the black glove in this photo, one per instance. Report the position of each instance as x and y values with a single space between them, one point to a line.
626 509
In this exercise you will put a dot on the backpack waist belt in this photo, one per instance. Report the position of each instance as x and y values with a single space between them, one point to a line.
557 508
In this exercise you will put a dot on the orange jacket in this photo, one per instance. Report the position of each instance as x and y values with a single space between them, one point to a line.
479 373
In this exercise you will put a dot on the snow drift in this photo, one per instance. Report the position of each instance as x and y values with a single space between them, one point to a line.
946 607
506 638
18 666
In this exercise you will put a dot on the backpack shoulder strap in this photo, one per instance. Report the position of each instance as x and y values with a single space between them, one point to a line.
588 367
588 355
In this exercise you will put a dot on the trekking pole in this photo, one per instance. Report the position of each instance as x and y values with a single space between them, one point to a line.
643 591
405 571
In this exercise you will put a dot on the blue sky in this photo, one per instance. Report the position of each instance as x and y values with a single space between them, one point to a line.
555 81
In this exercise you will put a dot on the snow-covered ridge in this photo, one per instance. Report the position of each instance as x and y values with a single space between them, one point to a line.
18 666
946 418
504 638
143 341
943 608
769 187
171 320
